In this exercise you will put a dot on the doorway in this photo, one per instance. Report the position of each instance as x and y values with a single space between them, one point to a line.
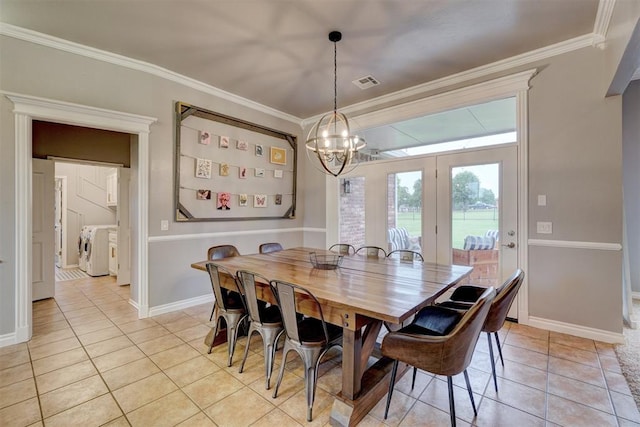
477 218
422 203
27 109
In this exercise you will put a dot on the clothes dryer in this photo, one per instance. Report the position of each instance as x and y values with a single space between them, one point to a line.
97 250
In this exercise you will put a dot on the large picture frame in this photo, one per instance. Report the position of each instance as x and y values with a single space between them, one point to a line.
232 171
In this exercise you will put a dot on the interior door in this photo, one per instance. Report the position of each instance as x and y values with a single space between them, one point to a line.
43 218
477 214
124 227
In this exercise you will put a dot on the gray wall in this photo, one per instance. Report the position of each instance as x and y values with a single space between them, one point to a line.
35 70
575 159
631 176
86 201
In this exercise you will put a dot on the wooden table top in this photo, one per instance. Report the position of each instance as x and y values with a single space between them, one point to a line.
383 289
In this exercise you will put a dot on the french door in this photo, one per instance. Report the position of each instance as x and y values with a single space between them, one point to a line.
477 214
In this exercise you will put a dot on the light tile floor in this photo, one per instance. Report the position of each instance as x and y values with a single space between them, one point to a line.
93 362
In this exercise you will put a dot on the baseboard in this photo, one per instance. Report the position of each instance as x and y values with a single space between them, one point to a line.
180 305
8 339
577 330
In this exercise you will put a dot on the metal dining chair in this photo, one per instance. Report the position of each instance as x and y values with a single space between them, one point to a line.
264 319
406 255
343 249
229 305
440 341
266 248
372 251
311 338
220 252
464 296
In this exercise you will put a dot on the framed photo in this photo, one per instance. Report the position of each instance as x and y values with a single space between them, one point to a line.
224 169
203 194
259 200
205 138
278 156
259 150
224 201
242 172
242 145
278 199
203 168
224 142
277 173
260 172
242 200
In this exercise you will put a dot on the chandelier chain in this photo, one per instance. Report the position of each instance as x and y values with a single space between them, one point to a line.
335 77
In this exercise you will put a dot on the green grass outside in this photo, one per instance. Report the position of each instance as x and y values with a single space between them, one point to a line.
475 223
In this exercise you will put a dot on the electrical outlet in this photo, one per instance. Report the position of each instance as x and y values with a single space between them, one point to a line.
544 227
164 225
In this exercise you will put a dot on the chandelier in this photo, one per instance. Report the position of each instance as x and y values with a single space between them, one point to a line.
331 146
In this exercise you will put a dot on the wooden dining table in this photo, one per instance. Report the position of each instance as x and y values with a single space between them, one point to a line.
359 296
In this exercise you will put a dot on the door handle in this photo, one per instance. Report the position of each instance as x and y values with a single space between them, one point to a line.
510 245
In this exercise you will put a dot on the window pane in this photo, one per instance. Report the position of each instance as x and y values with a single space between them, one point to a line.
404 205
352 215
475 221
481 125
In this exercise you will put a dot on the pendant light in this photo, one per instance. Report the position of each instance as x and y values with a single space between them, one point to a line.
331 146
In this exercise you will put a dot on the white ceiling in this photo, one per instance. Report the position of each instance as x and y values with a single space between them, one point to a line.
276 52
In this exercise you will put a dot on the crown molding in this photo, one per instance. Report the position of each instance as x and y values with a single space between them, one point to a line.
603 19
491 89
134 64
570 45
587 40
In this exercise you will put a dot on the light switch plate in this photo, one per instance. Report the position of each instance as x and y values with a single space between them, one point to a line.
542 200
544 227
164 225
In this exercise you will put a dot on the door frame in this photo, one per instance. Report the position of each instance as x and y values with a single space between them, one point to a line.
29 108
63 220
515 85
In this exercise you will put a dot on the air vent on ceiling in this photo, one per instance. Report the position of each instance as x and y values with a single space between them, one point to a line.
366 82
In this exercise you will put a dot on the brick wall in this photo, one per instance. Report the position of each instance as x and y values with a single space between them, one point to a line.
352 213
485 266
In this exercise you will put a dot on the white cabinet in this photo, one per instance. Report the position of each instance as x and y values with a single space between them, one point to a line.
112 189
113 253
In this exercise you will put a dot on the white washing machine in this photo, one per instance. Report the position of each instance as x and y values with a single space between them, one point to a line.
97 250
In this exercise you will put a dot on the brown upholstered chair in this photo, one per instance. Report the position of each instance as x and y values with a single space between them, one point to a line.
220 252
406 255
264 319
465 295
311 338
265 248
440 341
343 249
229 305
372 251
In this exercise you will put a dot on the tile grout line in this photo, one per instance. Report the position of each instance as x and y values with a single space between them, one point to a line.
92 363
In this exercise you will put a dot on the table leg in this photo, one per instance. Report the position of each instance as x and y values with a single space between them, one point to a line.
361 388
